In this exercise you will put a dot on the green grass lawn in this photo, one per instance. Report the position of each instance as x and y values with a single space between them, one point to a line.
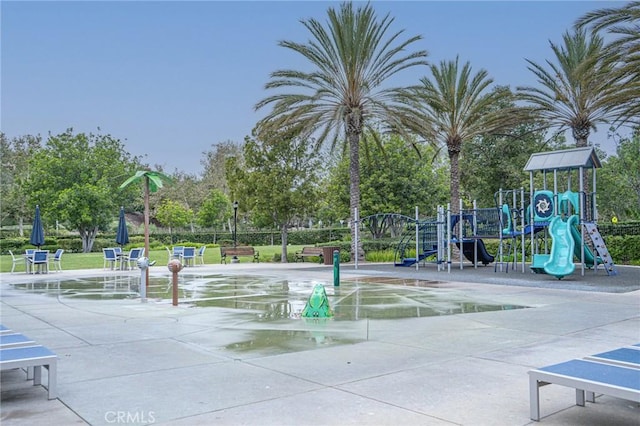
71 261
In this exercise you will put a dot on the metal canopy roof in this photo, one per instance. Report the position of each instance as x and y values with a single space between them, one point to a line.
563 160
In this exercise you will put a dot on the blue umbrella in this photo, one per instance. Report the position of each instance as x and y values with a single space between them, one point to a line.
37 231
122 237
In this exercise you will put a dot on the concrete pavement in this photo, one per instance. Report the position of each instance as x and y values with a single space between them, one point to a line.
126 362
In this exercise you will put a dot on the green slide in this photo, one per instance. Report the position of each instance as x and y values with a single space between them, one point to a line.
560 263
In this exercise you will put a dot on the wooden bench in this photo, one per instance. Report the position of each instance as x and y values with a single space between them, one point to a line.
238 251
309 252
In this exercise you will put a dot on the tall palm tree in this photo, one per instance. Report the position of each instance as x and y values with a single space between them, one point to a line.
580 90
152 182
351 58
623 23
454 107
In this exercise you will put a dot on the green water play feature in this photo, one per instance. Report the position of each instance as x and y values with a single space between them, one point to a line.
318 304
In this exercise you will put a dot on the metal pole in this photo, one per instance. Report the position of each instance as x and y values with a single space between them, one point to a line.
417 241
448 237
356 224
174 267
461 251
336 268
235 224
581 216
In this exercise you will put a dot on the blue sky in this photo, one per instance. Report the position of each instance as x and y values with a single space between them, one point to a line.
172 78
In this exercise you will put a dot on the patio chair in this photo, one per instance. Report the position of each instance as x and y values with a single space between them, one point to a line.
169 254
188 256
40 260
200 254
132 258
110 258
57 266
15 260
28 255
177 251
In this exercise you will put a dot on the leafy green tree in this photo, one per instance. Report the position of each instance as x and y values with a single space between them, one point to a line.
618 188
623 24
15 171
580 90
394 180
342 94
173 214
74 178
278 182
215 210
214 165
454 107
187 189
494 162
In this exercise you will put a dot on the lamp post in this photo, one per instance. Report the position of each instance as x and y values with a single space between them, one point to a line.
235 224
235 259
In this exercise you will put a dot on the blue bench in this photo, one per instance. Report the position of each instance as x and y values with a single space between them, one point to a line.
32 356
625 357
15 340
615 373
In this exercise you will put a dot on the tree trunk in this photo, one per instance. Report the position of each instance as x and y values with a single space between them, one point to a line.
284 236
581 138
454 188
88 237
354 190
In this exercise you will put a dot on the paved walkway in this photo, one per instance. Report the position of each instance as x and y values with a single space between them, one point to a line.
125 362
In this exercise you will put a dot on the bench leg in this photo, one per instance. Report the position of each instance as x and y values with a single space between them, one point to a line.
37 375
591 396
53 379
534 399
580 397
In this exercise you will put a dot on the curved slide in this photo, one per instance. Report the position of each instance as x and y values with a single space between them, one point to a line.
469 252
560 263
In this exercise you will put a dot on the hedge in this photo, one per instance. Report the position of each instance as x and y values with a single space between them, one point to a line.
624 249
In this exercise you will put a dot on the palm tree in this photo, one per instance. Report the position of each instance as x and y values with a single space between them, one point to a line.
578 92
342 96
152 182
623 23
455 107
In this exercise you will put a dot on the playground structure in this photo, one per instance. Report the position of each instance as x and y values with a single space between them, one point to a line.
571 216
433 237
553 224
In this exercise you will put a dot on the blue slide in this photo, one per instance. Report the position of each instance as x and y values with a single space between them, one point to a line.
560 263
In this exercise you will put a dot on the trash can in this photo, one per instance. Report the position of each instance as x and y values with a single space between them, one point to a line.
327 254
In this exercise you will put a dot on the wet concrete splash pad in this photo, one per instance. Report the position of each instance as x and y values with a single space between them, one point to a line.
272 298
266 311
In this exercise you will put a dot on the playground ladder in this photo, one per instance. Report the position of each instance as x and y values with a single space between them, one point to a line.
601 247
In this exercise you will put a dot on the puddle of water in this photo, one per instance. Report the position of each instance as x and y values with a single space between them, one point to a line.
270 308
273 299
